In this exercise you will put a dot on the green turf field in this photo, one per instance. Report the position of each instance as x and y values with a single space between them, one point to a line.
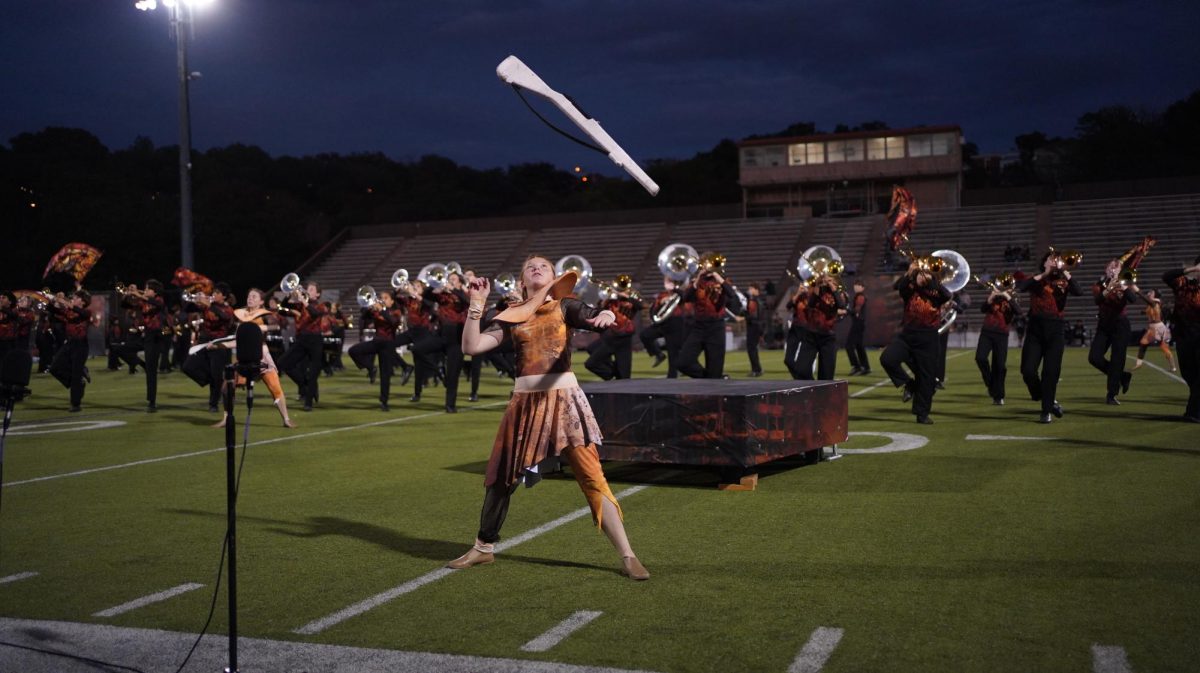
962 555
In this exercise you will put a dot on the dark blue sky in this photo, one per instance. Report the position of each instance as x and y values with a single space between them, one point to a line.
666 79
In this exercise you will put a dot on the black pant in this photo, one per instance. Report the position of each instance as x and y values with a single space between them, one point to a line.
495 509
856 349
919 350
994 344
1187 347
128 352
152 341
1044 345
670 330
611 356
450 338
164 351
503 359
791 353
1113 336
423 344
47 343
302 362
67 367
707 336
943 344
754 332
821 348
363 352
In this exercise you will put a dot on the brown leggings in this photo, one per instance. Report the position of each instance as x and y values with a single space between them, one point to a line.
585 464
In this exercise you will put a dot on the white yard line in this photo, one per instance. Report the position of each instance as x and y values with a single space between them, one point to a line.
154 650
286 438
378 599
559 633
816 651
1165 373
18 577
148 600
1002 438
1110 659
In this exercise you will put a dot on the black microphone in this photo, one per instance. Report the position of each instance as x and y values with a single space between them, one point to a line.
14 375
249 340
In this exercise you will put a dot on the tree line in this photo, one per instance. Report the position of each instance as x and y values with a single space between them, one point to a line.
257 217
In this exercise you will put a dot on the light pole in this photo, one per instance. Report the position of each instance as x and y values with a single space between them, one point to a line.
181 21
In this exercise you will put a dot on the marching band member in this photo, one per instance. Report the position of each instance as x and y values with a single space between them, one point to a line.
1186 284
257 314
1045 339
70 362
49 337
548 417
302 361
418 315
451 302
1112 335
825 306
1156 331
710 293
917 343
999 311
217 321
798 304
153 311
612 354
131 341
385 316
756 325
8 323
670 329
855 347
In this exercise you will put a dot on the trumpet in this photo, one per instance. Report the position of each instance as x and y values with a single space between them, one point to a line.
712 262
128 291
194 298
623 284
1003 283
1067 259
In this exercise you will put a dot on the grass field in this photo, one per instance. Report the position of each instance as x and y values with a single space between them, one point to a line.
962 555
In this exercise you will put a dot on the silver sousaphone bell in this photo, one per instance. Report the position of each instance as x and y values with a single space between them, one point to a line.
581 267
954 276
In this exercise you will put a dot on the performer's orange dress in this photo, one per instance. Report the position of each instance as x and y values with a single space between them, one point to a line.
548 413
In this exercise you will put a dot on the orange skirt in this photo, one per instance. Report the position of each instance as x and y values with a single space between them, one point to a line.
537 427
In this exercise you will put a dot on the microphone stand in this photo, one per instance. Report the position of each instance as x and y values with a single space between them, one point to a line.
231 522
250 371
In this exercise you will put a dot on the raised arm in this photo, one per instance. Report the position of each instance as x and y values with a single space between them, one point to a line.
474 341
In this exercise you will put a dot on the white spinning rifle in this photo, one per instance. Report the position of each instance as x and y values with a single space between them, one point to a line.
512 71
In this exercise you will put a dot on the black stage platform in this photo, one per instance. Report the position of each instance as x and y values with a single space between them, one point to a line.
731 423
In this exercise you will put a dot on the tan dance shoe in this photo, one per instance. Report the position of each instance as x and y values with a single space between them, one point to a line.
634 569
473 557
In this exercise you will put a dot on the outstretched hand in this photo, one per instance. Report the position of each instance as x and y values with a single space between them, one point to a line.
602 319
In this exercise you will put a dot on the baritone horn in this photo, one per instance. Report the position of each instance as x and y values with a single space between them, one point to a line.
367 296
290 283
433 275
581 267
818 261
953 271
1067 259
679 262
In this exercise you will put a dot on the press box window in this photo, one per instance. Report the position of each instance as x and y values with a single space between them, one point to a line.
885 148
933 144
802 154
763 156
845 150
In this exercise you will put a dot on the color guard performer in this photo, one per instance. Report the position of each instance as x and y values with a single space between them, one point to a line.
856 348
1156 331
1045 338
257 314
999 313
548 417
669 328
1185 282
917 343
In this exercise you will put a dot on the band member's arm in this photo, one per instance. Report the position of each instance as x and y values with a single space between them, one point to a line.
731 299
690 293
474 341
